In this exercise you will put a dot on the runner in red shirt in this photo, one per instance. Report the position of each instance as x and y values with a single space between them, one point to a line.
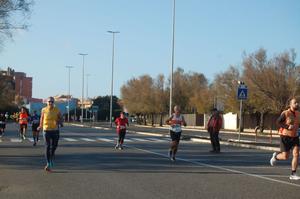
23 121
121 129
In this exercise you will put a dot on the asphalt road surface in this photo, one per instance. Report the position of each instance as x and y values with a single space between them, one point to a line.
88 166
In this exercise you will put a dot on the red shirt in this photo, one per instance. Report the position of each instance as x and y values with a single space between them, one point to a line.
23 118
214 123
121 123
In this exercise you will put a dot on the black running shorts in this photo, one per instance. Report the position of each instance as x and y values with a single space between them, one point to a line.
34 127
175 136
287 143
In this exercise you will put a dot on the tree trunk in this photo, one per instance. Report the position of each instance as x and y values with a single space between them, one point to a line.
138 119
152 120
262 122
145 121
161 120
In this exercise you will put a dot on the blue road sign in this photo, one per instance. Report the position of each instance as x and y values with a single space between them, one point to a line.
242 93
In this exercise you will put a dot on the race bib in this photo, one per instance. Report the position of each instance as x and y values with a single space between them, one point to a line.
122 127
176 128
36 121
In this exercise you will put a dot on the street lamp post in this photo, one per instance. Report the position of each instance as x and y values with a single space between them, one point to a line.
82 93
69 77
172 62
87 92
112 74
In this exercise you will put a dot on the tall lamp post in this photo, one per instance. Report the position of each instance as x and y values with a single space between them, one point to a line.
112 74
172 62
82 93
69 80
87 92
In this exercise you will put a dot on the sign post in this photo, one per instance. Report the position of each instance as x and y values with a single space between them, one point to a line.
242 94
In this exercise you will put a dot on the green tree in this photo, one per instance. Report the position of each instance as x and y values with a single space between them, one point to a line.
6 92
104 107
138 96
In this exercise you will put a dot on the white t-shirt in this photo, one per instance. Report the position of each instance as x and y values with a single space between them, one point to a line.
176 122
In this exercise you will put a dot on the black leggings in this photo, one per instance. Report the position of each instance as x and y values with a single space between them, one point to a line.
51 141
122 134
215 142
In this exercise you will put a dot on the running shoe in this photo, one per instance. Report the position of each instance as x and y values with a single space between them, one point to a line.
23 137
47 168
34 144
273 159
294 177
120 147
117 146
173 159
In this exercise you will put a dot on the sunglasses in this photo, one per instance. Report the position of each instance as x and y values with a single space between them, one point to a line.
50 102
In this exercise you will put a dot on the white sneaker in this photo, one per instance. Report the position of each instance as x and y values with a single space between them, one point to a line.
294 177
273 159
117 146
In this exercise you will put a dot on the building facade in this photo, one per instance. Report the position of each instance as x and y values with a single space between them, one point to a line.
23 85
20 85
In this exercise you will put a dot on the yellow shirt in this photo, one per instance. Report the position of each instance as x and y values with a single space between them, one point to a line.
51 118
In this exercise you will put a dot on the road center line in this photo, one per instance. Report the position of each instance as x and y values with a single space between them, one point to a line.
219 167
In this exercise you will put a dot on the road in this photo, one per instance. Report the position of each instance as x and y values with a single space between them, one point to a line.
88 166
263 139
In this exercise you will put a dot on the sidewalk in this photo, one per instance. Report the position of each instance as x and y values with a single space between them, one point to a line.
230 138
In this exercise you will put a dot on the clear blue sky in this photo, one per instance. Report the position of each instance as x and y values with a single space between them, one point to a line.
210 36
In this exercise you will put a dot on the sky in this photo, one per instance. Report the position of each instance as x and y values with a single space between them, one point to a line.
210 35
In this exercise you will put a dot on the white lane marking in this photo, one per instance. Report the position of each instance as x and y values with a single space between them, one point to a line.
15 140
274 176
158 140
128 140
184 141
139 139
258 167
30 139
98 127
87 139
70 139
151 134
219 167
80 125
105 140
222 168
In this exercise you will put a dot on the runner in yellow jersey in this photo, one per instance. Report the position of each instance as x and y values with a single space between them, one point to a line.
50 122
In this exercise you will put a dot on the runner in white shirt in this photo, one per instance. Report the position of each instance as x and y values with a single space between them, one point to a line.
176 120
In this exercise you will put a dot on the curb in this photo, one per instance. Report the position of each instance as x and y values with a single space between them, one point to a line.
198 140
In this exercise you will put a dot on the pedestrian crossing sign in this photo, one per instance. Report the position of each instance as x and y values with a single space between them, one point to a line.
242 93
